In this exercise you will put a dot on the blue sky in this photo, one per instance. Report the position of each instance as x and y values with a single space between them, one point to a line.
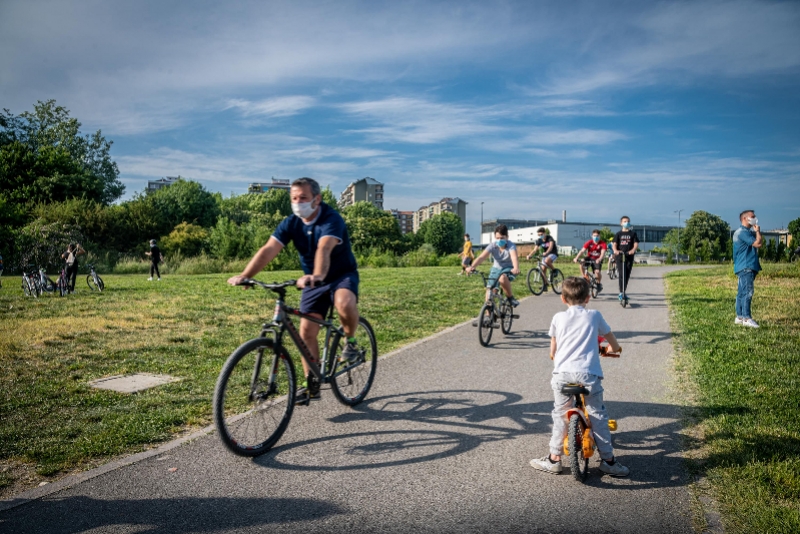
598 108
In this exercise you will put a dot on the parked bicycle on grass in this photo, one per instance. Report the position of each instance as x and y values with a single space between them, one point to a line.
30 282
94 281
257 390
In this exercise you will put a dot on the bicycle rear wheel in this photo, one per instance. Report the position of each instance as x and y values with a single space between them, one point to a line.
351 381
251 412
485 324
557 280
579 465
612 273
26 287
535 281
100 284
90 282
506 317
63 286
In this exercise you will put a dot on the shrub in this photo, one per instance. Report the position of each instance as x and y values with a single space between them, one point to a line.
424 256
451 260
186 238
199 265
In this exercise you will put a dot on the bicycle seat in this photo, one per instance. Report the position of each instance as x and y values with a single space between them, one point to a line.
574 389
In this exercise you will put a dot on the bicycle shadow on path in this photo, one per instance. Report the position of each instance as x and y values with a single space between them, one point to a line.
428 426
164 515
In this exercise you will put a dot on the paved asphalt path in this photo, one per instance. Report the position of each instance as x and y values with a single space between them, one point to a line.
442 444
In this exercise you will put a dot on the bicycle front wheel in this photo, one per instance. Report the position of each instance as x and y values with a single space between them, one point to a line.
352 380
557 280
577 462
90 282
535 281
254 397
26 287
485 324
506 317
100 284
593 286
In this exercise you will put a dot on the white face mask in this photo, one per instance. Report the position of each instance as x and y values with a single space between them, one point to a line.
753 221
303 209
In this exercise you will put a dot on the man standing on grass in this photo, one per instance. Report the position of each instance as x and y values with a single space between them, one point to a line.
746 242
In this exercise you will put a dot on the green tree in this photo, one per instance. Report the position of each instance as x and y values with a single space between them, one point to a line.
705 236
372 228
186 239
44 158
444 232
183 201
606 234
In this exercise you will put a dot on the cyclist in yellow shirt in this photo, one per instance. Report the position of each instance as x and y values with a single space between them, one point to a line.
466 255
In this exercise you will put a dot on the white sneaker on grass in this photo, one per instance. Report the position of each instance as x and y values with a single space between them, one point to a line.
150 279
738 320
615 470
544 464
751 323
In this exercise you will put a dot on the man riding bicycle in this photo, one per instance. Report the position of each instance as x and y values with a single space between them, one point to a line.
549 251
331 273
595 250
505 265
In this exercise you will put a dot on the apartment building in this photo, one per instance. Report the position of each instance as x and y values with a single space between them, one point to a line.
366 189
155 185
455 205
405 219
263 187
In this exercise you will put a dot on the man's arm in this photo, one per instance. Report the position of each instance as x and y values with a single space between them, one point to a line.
533 251
759 239
260 260
480 259
553 347
578 255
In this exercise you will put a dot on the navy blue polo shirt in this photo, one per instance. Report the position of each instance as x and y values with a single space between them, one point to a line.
306 237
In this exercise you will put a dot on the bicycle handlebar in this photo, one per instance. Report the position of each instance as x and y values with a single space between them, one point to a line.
250 282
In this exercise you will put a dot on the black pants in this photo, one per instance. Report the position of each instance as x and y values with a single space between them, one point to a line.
624 267
72 275
154 269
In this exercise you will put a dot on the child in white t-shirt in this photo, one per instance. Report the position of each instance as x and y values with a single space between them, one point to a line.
575 350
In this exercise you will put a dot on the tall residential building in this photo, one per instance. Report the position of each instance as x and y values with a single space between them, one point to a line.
366 189
405 219
455 205
263 187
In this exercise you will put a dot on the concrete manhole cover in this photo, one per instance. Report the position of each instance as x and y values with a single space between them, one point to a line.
132 383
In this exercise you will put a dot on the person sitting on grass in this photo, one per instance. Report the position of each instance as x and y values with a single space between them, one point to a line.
576 355
505 266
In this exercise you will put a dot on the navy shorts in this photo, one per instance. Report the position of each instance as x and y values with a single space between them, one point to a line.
319 299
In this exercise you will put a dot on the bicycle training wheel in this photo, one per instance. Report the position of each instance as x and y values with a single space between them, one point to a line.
250 413
351 381
577 462
557 280
485 324
506 317
535 281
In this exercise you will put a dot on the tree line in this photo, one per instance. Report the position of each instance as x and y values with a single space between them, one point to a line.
58 186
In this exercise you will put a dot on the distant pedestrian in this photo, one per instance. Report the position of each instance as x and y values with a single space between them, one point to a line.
71 258
466 255
746 240
155 258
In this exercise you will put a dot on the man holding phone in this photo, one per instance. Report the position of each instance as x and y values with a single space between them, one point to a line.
746 242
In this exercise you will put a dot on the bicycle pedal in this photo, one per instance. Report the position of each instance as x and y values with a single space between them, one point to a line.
515 316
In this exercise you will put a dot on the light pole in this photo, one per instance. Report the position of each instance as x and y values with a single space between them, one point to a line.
677 248
481 234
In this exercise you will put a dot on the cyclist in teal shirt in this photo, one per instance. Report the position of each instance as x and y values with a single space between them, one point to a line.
746 242
505 265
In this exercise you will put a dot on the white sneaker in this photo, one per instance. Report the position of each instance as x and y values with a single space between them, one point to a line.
616 470
159 279
544 464
738 320
150 279
751 323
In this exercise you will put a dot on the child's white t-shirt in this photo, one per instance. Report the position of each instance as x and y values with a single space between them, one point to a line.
576 331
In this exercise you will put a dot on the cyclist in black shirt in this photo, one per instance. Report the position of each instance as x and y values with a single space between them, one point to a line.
625 244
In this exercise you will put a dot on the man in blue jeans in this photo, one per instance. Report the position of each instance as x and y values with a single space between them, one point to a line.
746 242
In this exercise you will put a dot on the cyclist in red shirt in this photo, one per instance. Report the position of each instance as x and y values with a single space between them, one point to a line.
595 250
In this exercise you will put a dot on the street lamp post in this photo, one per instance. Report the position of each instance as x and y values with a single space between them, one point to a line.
677 247
481 234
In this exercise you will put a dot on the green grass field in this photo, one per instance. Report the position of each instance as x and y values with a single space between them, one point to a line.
747 391
185 326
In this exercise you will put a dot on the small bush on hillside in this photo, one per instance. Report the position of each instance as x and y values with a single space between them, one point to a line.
451 260
424 256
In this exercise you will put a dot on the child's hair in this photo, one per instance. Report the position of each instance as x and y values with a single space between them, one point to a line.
501 229
624 217
575 290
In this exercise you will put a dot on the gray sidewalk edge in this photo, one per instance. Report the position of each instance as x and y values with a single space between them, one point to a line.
73 480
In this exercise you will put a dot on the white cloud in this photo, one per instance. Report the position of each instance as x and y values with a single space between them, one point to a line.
582 136
282 106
